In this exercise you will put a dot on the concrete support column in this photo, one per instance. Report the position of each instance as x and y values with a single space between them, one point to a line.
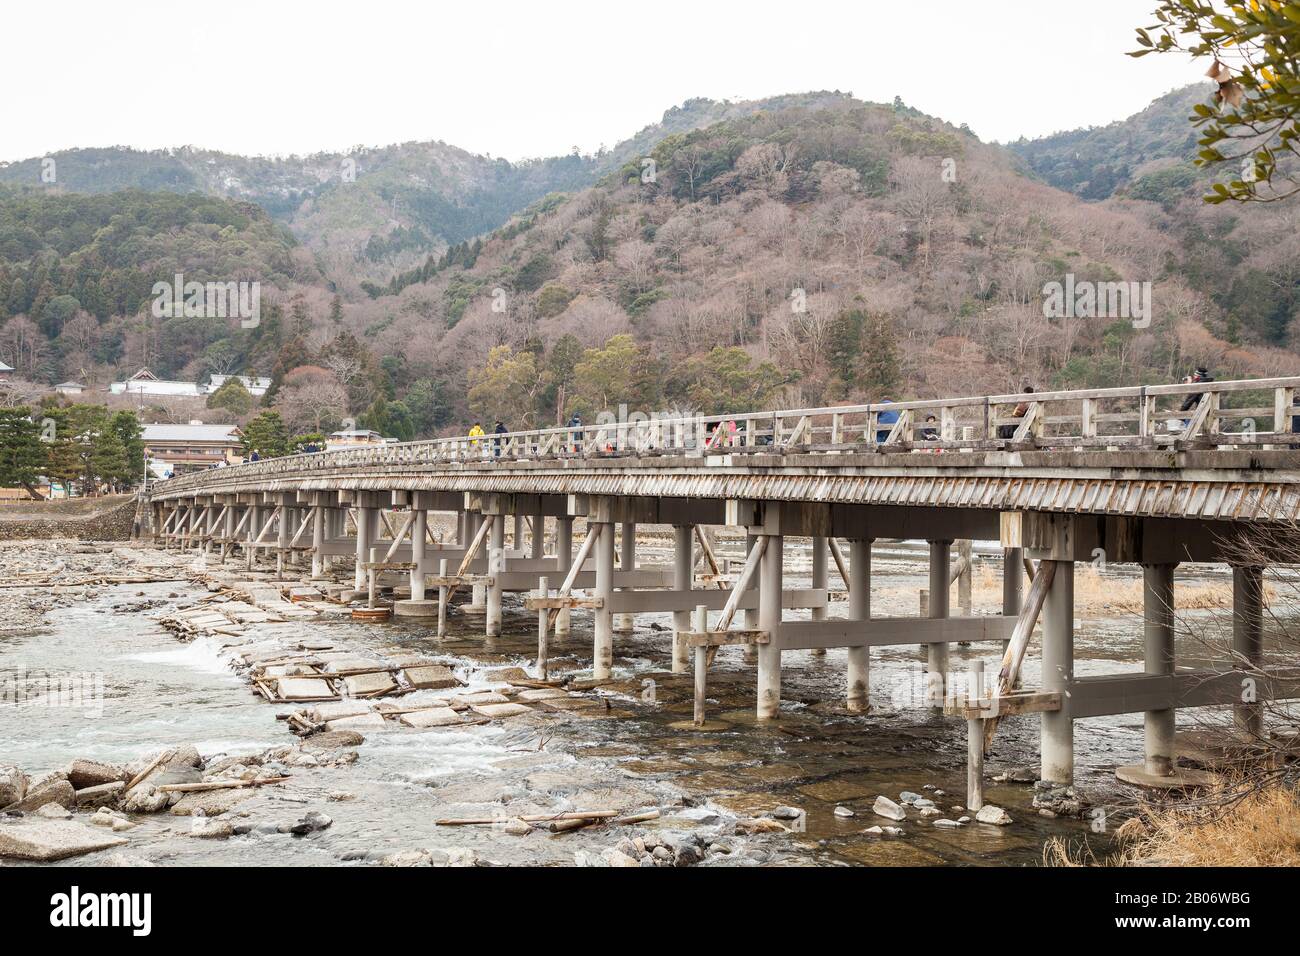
1158 645
626 623
1057 743
419 526
462 528
820 579
750 653
937 654
518 543
367 520
1248 644
478 593
564 561
1013 584
603 652
683 568
282 538
318 517
769 619
253 530
537 542
228 532
496 564
859 675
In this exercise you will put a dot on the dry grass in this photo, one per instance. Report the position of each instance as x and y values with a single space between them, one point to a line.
1260 829
1092 589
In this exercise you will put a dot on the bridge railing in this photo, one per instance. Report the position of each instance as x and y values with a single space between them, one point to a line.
1258 412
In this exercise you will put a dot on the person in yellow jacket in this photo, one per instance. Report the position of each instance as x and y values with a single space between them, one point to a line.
475 434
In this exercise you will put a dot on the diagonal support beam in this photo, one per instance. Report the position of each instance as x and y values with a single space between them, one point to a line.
1019 643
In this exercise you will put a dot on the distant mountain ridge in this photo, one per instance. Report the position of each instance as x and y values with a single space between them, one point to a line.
371 212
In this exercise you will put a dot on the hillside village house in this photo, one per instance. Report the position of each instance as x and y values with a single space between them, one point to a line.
194 446
351 438
257 385
5 371
69 388
145 382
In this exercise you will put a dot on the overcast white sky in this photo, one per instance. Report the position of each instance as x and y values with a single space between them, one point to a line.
536 78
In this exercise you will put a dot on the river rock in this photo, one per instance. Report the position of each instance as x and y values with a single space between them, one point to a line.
884 807
844 812
208 829
945 823
407 858
309 823
53 811
994 815
210 803
52 790
909 798
333 740
13 785
45 840
91 773
103 794
145 798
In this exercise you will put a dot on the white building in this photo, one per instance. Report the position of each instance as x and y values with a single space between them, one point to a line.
145 382
257 385
193 446
69 388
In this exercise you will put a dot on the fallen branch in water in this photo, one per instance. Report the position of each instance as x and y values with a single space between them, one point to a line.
218 785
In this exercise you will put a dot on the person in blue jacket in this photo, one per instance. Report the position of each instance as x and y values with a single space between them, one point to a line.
885 418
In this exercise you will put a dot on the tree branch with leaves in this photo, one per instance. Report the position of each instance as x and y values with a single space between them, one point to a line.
1254 120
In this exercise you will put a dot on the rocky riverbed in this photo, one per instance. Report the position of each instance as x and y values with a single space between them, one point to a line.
204 744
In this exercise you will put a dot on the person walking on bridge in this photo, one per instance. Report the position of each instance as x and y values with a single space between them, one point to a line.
575 430
1200 374
500 429
475 434
885 418
1020 411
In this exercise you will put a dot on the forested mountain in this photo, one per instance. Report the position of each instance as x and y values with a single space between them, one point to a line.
806 249
370 213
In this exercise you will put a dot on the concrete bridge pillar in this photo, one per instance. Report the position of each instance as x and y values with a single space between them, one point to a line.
859 673
1158 644
563 560
683 572
1013 583
603 653
367 528
537 541
1057 744
228 531
282 537
769 619
626 623
820 579
750 652
1248 644
419 529
318 520
517 542
253 530
478 596
495 565
936 678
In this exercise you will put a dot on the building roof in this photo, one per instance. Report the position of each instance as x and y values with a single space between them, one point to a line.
248 381
6 368
69 385
189 433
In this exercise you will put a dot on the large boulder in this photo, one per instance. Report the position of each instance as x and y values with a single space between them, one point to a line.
13 785
34 838
52 790
92 773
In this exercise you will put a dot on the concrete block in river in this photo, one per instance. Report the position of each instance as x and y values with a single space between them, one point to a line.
56 790
433 717
500 710
431 677
366 684
360 723
303 688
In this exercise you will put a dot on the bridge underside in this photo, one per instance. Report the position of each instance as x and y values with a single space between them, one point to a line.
564 534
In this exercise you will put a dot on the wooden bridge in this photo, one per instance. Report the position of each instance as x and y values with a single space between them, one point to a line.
1058 478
